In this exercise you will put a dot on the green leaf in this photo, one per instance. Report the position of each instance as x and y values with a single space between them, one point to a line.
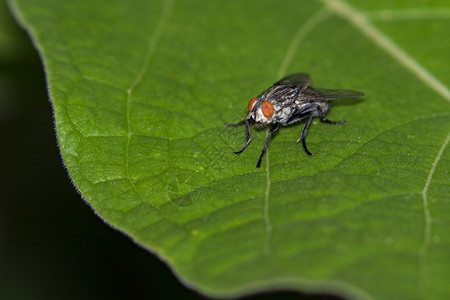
141 90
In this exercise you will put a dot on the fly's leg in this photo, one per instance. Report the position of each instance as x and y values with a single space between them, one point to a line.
247 131
304 133
235 124
324 120
272 131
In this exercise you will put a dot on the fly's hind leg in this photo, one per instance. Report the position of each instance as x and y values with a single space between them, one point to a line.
324 120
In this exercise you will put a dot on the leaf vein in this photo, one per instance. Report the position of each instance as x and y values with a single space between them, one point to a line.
387 130
361 22
153 43
302 32
412 14
427 216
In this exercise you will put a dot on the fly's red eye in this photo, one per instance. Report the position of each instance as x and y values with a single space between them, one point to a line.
250 104
267 109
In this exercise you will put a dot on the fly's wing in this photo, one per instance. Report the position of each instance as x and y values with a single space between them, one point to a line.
318 94
299 79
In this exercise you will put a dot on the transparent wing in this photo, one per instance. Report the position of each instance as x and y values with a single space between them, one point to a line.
318 94
299 79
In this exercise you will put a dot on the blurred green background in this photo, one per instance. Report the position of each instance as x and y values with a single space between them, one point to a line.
52 245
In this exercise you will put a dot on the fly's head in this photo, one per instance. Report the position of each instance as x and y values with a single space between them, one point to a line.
270 106
260 112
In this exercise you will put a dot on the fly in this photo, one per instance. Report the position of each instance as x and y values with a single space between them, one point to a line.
290 100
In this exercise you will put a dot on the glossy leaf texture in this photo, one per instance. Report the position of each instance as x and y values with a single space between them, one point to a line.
141 90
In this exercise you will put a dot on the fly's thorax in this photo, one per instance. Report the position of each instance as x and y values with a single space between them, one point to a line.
282 112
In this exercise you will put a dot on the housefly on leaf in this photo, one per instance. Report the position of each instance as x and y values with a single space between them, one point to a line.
290 100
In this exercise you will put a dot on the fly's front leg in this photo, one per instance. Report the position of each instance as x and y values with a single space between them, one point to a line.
235 124
247 131
272 131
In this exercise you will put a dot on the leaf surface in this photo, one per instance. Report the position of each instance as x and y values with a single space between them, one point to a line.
141 90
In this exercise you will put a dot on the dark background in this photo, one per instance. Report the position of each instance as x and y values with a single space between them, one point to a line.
52 246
